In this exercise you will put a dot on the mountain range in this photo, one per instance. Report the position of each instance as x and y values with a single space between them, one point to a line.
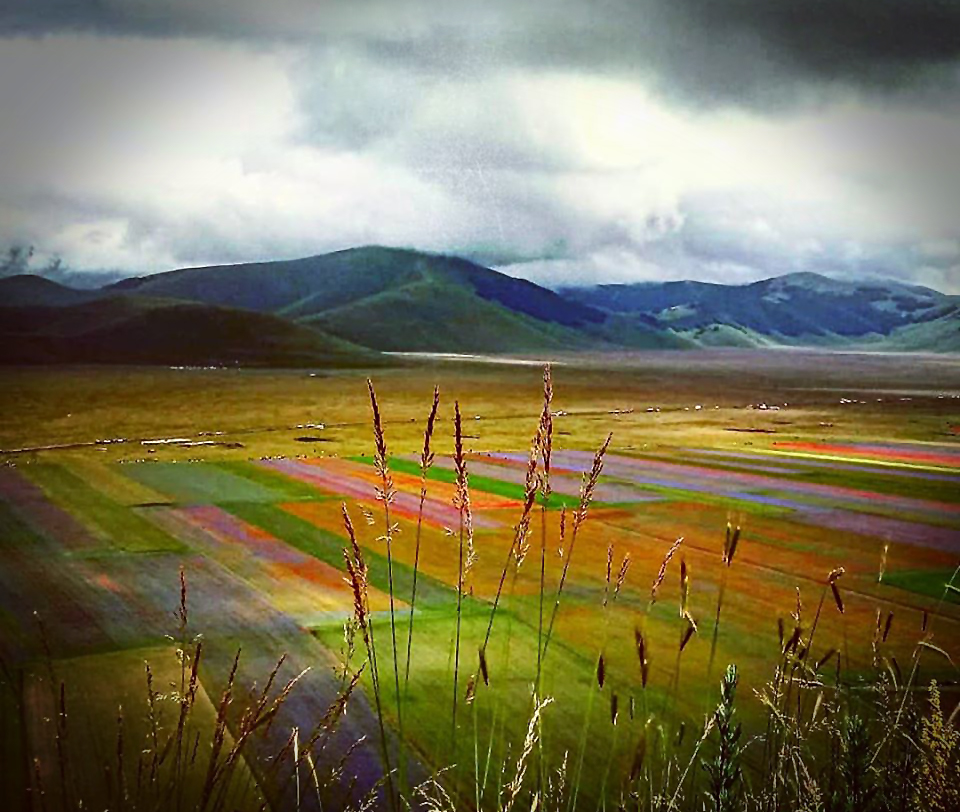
345 307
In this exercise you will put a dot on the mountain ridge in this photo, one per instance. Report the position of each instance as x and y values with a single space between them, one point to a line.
351 304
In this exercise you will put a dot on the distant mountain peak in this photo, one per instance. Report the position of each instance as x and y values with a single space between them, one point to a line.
395 298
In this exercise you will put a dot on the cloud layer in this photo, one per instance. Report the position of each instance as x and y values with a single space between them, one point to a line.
613 140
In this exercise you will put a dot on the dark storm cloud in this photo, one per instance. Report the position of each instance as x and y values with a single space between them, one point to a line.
756 52
568 141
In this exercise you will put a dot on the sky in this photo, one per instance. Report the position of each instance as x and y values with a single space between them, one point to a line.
565 141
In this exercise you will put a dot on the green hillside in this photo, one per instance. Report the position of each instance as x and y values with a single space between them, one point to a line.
134 330
426 316
27 290
796 309
347 306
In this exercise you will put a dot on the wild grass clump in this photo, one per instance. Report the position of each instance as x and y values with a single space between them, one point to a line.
510 733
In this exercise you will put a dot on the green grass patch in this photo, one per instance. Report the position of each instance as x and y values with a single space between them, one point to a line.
680 495
496 722
931 583
14 532
125 529
909 487
202 483
95 686
290 489
328 547
498 487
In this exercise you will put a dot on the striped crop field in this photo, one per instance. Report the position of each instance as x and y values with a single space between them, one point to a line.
91 552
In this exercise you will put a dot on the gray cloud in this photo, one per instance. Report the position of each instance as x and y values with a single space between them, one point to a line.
771 53
581 141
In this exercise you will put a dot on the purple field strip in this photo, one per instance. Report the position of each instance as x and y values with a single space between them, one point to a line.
641 471
897 531
36 510
435 512
230 531
228 610
865 467
761 469
566 485
772 501
35 587
613 467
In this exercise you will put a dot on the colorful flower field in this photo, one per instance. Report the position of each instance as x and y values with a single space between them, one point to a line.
93 550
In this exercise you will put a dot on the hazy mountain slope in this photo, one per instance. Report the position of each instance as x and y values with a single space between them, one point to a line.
428 317
937 335
138 330
308 287
797 308
323 309
27 290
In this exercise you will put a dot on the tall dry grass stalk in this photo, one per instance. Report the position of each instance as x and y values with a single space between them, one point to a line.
385 494
587 488
601 673
546 454
461 501
533 733
731 540
519 545
358 580
426 462
689 626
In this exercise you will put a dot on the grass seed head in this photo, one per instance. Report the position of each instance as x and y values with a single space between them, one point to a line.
836 596
385 491
426 457
887 625
621 575
642 656
684 586
589 484
688 630
663 569
563 530
546 431
730 543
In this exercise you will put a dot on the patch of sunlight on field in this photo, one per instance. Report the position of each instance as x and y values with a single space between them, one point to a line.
96 688
120 527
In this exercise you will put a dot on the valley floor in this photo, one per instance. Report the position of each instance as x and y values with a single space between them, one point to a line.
114 479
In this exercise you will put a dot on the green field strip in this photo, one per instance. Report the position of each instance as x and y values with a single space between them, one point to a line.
940 469
680 495
503 709
96 684
201 483
931 583
328 547
14 532
109 479
125 528
290 489
928 490
873 509
498 487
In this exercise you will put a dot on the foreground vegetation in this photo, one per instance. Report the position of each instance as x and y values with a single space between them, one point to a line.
486 707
